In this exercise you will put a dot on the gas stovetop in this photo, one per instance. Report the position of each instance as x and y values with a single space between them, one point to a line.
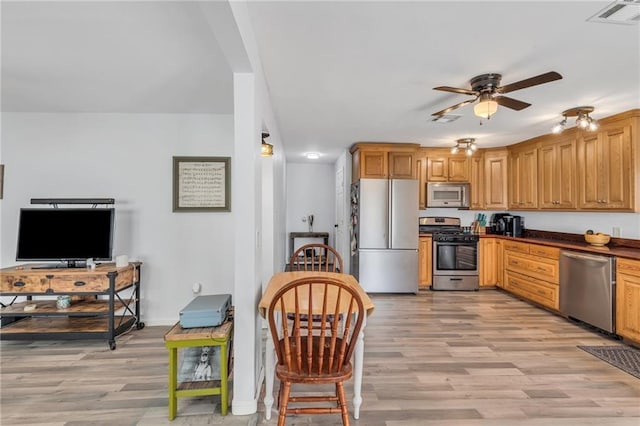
445 229
455 237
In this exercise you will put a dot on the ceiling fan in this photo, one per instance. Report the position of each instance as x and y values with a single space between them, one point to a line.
486 88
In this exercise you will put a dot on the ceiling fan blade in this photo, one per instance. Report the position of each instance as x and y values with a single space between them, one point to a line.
533 81
456 106
511 103
456 90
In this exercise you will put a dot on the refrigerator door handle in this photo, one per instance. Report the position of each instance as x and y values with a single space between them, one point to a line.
390 216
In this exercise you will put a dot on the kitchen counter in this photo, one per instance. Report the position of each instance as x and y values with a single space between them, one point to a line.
615 247
615 250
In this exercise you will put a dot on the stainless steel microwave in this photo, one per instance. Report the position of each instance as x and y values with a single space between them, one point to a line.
448 194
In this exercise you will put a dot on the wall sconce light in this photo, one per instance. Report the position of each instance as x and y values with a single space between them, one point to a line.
584 121
486 107
468 144
266 149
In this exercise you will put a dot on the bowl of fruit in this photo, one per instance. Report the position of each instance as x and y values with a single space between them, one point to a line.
596 238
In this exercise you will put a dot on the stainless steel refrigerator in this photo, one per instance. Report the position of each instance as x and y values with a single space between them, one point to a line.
384 235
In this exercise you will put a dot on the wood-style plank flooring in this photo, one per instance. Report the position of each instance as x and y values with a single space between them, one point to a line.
439 358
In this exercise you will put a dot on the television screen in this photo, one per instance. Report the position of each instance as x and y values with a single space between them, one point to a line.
66 235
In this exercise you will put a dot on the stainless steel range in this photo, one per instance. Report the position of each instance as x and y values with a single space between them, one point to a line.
455 254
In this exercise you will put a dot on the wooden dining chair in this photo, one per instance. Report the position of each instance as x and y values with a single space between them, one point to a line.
316 257
319 352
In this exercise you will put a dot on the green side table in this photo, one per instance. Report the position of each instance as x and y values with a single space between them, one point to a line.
179 337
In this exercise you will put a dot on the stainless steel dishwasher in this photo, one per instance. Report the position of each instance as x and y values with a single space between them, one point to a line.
587 288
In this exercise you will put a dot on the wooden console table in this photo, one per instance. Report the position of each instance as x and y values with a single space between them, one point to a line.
294 235
179 337
98 309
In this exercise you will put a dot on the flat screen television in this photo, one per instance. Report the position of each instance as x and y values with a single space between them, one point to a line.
67 235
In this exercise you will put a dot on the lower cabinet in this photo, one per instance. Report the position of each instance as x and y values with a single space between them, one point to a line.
541 292
487 261
500 262
425 256
628 299
532 271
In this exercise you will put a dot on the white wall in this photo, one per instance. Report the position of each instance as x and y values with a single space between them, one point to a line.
127 157
310 190
570 222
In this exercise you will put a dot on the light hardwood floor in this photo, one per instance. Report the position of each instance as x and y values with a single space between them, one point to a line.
439 358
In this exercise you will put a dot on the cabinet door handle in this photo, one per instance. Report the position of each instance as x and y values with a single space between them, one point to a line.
19 284
79 283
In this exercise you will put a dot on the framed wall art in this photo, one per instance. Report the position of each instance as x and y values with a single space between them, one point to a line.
201 184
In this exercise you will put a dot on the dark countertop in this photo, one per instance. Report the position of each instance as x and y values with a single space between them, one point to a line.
561 241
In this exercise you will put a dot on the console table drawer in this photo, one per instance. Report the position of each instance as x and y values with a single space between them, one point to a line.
23 284
63 282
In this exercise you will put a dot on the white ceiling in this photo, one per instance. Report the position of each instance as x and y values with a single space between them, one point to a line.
337 72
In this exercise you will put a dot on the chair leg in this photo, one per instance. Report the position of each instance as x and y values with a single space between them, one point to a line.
285 390
343 403
279 396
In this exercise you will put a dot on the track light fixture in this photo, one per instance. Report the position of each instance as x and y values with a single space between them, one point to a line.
583 120
468 144
266 149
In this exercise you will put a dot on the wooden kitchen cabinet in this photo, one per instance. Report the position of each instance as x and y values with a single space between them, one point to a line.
523 180
421 168
384 161
532 272
499 262
495 179
488 273
425 256
402 165
628 299
448 168
605 171
488 179
557 172
476 181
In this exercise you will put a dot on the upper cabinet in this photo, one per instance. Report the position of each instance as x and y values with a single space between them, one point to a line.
476 174
557 172
489 179
450 168
574 171
384 160
523 181
606 169
495 179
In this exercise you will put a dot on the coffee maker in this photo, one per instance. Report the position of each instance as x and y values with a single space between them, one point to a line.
507 224
515 227
498 223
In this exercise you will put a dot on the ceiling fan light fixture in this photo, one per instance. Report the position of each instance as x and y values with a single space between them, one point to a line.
485 108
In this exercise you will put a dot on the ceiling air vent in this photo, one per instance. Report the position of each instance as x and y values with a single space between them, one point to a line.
625 12
446 118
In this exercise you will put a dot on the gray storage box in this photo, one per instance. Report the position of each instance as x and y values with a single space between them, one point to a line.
205 311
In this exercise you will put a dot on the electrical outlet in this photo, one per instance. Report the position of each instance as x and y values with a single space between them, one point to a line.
197 287
615 232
